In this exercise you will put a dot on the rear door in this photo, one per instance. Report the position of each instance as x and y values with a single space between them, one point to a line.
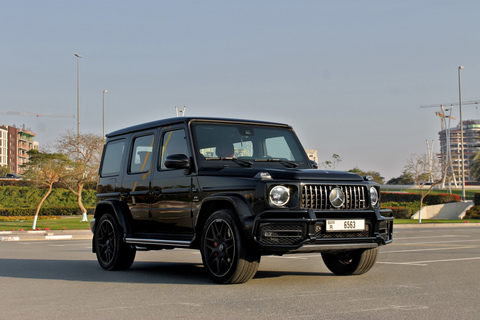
136 180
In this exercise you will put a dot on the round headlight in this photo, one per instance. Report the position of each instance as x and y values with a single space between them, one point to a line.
279 195
373 196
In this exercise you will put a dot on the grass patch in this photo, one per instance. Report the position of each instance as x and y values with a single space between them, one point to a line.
26 223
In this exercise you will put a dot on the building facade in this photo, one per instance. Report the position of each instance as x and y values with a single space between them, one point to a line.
450 143
14 145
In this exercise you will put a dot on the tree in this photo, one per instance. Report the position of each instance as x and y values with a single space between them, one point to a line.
332 164
85 152
44 169
425 171
4 170
475 166
375 175
405 179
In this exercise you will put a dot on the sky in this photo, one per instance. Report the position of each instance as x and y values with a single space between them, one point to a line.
348 75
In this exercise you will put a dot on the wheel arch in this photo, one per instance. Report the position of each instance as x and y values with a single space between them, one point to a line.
118 209
235 202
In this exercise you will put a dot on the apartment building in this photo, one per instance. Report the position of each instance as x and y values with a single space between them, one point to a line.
14 145
452 143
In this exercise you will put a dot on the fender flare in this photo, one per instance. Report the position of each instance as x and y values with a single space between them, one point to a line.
118 208
239 204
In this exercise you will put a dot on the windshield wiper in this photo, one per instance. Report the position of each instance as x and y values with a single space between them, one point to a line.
241 162
286 163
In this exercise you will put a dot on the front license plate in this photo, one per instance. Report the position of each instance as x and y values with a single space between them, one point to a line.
345 225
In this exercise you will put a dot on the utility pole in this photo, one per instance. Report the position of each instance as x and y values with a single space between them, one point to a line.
78 93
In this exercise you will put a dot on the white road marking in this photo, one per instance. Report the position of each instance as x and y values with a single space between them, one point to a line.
425 263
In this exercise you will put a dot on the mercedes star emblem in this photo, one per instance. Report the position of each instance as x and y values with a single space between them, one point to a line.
337 197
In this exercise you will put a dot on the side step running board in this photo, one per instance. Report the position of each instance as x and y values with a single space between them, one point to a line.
170 243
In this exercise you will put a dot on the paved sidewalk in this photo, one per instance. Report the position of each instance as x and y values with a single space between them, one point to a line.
45 235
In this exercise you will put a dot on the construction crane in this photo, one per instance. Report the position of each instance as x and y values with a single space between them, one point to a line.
443 116
464 103
15 113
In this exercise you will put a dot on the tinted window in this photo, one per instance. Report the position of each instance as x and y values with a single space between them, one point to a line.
174 142
141 154
112 159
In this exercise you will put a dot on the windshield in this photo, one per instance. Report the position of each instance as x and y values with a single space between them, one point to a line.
253 145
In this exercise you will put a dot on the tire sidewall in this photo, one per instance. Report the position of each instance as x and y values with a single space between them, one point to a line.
226 216
108 218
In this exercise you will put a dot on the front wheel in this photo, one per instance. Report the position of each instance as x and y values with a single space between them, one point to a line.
351 262
224 249
112 252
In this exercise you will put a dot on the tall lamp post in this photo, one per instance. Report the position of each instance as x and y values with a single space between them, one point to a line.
78 93
104 91
461 132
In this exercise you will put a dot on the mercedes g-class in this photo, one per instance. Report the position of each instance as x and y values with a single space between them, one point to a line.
235 190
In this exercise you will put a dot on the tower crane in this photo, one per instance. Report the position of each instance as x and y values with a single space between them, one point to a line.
464 103
16 113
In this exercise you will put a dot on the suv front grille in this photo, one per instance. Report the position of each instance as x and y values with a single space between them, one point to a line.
317 197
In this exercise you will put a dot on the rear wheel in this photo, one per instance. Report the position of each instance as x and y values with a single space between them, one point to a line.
224 249
351 262
112 252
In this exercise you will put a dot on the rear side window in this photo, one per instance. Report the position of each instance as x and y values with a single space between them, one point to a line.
141 154
112 160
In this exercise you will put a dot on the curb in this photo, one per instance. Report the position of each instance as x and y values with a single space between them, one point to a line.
45 235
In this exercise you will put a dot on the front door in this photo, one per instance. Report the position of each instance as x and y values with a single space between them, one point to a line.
171 188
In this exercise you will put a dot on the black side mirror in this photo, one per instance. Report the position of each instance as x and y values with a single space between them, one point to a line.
314 164
177 161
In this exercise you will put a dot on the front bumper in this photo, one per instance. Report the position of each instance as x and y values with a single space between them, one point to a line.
305 231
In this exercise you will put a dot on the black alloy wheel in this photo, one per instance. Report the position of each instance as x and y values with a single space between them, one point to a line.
224 250
112 252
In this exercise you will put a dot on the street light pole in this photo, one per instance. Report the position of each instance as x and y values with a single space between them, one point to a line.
78 93
104 91
461 132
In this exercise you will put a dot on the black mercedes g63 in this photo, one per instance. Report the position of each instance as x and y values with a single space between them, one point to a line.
235 190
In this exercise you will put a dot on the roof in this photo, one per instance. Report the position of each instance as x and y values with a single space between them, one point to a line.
186 120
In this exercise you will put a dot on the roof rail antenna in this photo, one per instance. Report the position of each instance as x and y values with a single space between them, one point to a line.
180 111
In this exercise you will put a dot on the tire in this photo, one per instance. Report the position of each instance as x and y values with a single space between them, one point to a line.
224 249
112 252
352 262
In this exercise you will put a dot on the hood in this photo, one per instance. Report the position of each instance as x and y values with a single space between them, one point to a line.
283 174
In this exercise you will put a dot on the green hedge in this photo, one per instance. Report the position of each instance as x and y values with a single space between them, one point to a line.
29 197
430 199
473 212
401 212
23 201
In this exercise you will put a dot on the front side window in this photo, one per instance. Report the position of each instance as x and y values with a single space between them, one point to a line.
141 154
174 142
112 159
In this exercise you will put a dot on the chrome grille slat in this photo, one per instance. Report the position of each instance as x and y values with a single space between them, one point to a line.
316 197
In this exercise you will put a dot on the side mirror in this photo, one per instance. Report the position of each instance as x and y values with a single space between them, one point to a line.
314 164
177 161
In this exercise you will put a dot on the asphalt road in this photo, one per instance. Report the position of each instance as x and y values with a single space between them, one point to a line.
427 273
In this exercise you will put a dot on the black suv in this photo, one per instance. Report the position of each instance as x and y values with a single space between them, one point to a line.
236 190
